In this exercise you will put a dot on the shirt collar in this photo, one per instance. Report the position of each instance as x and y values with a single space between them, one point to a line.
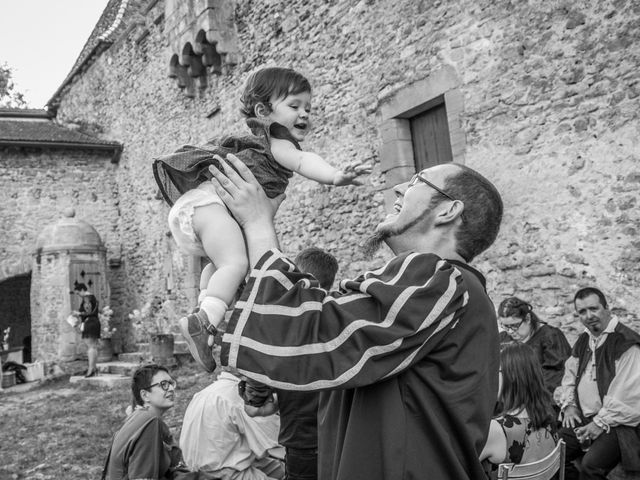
613 323
468 267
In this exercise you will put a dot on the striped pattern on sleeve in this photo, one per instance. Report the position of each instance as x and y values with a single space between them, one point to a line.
289 334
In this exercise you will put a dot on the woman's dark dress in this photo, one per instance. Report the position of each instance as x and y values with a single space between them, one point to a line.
90 322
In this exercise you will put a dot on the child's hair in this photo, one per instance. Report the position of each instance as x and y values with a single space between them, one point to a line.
523 384
142 379
271 82
318 263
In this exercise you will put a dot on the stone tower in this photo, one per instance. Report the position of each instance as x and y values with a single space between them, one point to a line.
70 258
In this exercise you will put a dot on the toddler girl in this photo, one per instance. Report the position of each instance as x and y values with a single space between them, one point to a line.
276 104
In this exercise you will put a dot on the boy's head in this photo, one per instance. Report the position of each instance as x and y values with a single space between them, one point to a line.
322 265
268 84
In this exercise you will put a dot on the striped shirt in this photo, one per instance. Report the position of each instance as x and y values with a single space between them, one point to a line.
419 334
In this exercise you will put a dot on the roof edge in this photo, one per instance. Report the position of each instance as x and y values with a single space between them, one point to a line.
25 113
114 147
54 102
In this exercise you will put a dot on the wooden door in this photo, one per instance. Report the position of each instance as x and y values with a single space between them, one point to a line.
431 141
89 277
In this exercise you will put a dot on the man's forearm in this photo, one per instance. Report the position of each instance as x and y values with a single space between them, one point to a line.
260 237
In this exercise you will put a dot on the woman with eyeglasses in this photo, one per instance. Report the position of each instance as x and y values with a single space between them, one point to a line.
144 447
520 324
525 430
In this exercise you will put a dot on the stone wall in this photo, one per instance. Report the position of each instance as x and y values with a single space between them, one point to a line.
550 99
35 189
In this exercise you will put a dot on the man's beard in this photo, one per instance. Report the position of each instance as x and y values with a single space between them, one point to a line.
373 243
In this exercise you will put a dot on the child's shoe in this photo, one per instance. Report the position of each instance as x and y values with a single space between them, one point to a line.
195 329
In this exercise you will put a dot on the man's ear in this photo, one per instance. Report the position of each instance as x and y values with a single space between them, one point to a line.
449 213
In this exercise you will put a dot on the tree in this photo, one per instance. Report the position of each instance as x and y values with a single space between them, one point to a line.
9 97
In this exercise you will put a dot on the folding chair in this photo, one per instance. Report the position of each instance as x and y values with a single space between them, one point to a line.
543 469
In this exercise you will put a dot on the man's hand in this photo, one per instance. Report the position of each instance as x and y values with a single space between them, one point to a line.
245 198
571 417
591 431
259 399
242 194
268 408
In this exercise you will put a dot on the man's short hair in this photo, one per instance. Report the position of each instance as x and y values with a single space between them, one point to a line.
482 211
322 265
587 292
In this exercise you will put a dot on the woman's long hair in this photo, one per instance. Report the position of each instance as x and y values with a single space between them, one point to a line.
523 385
94 304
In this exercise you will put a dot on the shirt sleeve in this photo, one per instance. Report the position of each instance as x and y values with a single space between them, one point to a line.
261 433
147 453
288 333
621 404
565 394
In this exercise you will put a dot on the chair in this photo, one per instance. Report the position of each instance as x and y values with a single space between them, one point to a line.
543 469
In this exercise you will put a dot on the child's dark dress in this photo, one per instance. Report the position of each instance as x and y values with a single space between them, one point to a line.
188 167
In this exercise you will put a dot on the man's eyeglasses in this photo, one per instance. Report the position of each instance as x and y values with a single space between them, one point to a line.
165 385
512 327
419 178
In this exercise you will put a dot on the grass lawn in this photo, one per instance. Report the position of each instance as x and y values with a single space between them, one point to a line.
63 431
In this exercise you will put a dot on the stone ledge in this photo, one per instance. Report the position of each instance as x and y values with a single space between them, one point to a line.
104 380
133 357
118 367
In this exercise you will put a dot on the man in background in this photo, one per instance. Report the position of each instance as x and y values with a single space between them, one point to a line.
600 392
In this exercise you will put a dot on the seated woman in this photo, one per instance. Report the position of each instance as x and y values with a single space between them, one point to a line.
524 432
522 325
144 448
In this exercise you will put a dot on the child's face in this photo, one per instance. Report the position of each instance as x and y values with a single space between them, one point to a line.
292 111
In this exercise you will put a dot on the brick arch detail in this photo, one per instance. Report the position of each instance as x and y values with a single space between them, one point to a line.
13 267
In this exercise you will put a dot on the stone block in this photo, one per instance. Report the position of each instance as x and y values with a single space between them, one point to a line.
395 129
407 99
395 154
133 357
118 367
538 271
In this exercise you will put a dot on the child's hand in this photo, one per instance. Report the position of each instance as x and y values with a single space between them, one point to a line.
349 176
